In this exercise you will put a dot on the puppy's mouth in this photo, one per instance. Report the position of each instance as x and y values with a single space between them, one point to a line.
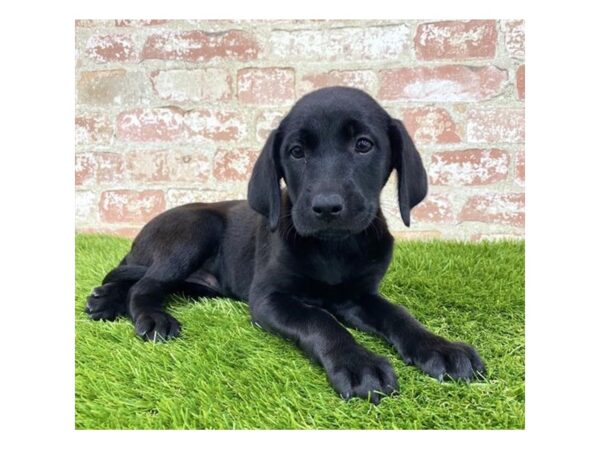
331 235
333 231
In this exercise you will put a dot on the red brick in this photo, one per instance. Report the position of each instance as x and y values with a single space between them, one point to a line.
468 167
234 165
451 83
265 85
111 47
168 165
454 39
361 79
200 46
84 168
520 168
112 87
496 125
436 208
266 122
200 85
131 206
98 167
215 125
520 80
151 124
514 38
501 208
93 129
430 125
342 43
139 23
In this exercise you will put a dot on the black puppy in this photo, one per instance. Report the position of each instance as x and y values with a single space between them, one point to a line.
305 258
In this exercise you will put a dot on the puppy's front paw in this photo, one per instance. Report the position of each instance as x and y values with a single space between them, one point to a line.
156 326
443 359
360 373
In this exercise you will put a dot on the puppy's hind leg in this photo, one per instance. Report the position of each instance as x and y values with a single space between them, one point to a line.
109 300
146 305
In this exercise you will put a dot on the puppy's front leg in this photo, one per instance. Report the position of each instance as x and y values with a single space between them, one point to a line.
352 370
433 354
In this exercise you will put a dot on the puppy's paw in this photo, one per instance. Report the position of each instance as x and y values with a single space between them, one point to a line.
360 373
444 360
106 302
156 326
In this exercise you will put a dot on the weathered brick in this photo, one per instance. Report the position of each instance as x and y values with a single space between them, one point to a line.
169 165
347 43
267 121
436 208
493 207
86 210
176 197
360 79
494 126
93 129
200 85
201 46
468 167
152 124
520 81
478 237
416 235
216 125
98 167
112 87
456 39
148 165
84 168
128 232
89 23
430 125
520 168
111 47
451 83
139 23
124 205
265 86
234 165
514 38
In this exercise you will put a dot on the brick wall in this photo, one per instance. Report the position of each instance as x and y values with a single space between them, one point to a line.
169 112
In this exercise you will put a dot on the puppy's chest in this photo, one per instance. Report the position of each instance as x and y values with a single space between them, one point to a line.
335 268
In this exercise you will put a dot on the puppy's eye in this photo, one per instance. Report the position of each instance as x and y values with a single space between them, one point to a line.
363 145
297 152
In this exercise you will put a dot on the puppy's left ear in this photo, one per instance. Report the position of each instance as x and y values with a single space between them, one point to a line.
412 178
264 192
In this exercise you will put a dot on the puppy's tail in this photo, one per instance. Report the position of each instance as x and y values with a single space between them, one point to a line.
130 273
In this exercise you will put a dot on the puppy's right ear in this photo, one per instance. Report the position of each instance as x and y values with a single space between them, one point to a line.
264 193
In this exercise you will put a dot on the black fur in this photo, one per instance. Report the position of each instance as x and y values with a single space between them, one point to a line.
305 258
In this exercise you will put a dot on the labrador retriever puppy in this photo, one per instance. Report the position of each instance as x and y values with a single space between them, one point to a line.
307 258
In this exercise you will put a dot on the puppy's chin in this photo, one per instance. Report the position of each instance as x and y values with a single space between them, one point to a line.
333 231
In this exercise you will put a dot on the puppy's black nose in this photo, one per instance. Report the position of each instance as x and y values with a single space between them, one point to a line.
327 205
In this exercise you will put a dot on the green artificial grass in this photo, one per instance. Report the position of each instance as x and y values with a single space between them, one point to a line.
225 373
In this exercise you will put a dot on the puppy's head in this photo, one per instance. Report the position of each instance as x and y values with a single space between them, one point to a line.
335 150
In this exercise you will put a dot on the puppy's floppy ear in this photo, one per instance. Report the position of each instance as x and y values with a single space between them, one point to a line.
412 178
264 193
